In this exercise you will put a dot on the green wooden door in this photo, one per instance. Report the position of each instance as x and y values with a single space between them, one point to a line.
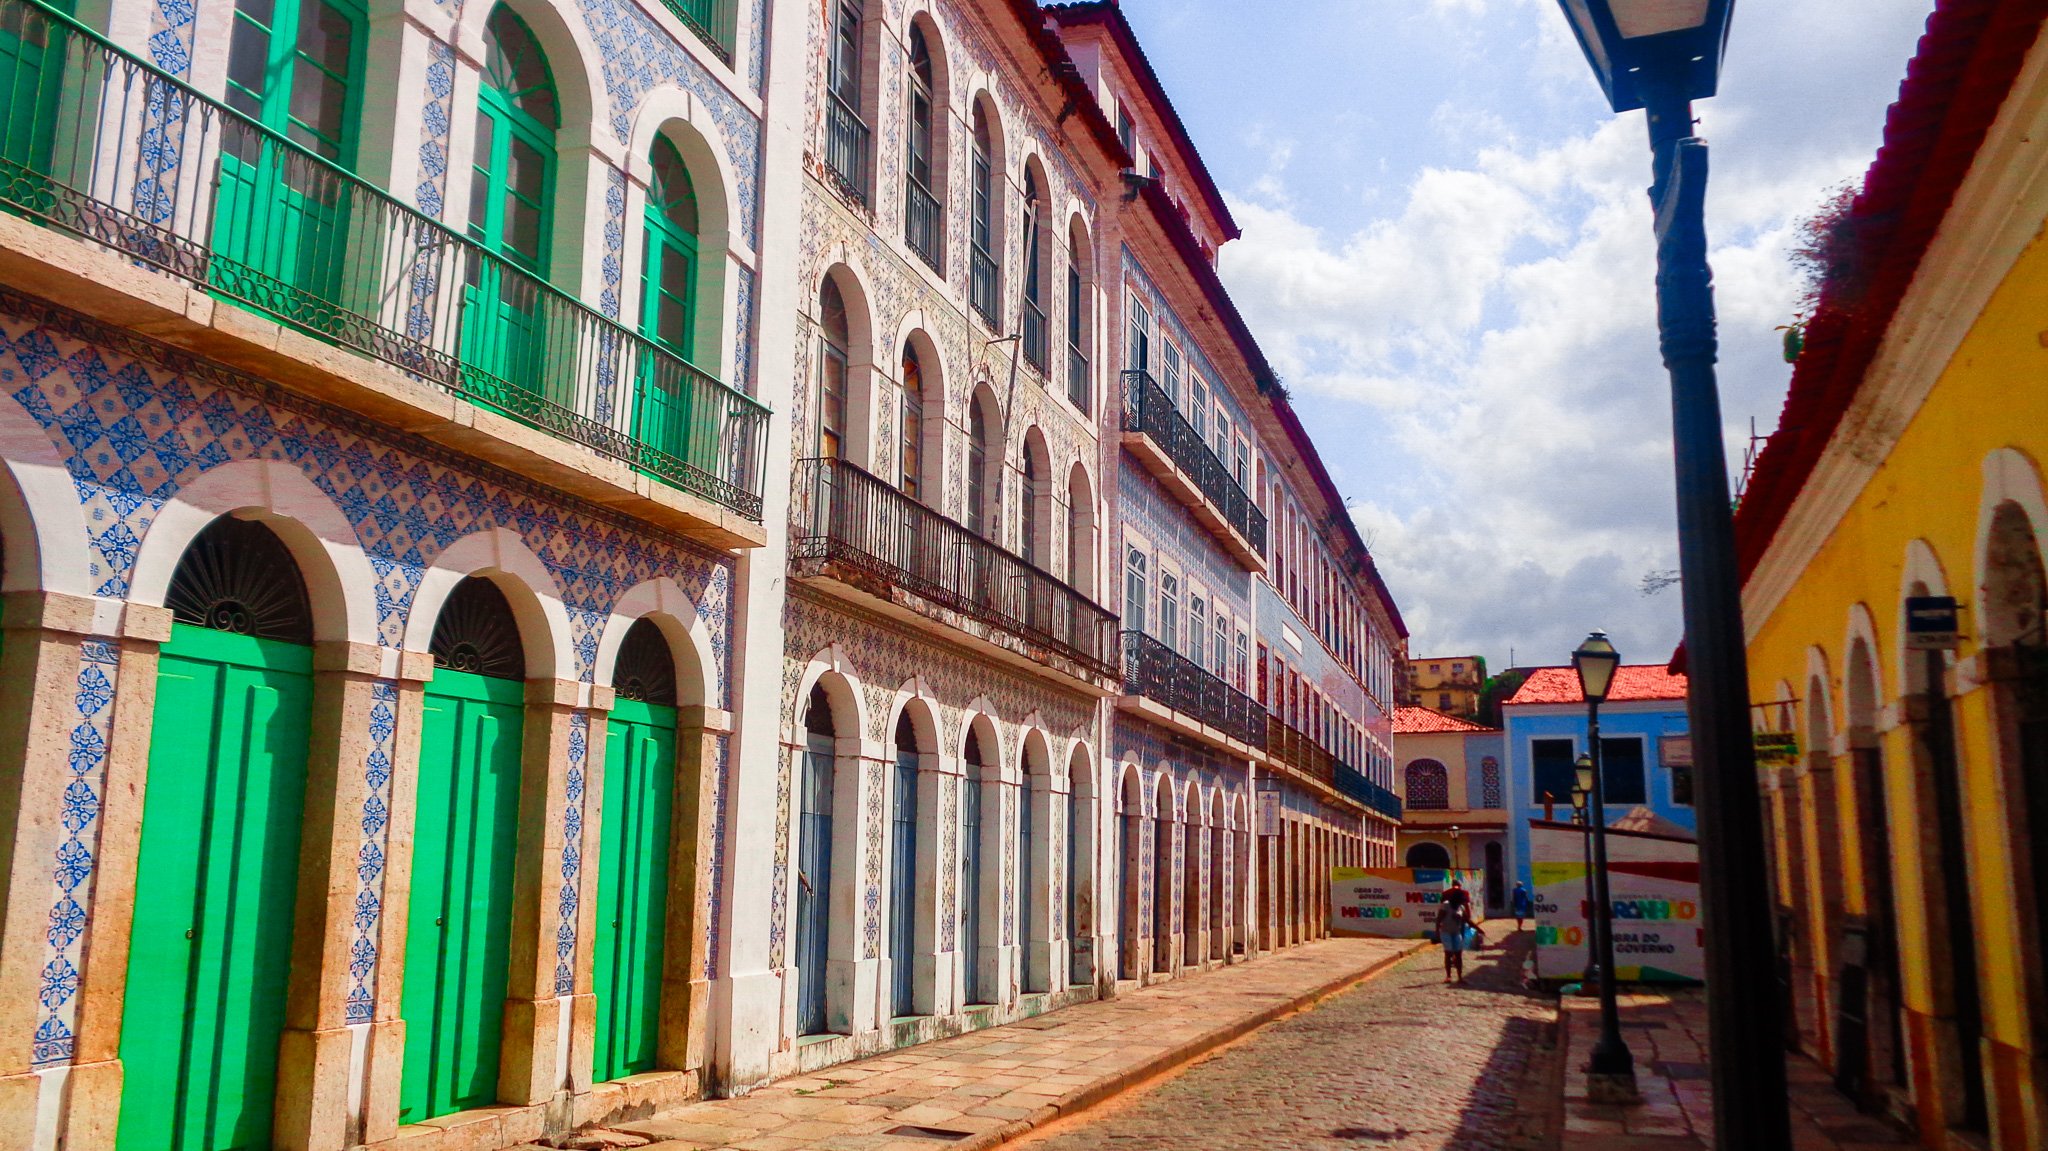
32 60
511 212
663 415
632 884
280 233
216 883
458 929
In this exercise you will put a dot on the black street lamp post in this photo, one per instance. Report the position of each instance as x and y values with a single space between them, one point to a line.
1661 55
1611 1073
1582 788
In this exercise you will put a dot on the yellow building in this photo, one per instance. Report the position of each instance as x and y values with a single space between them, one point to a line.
1910 873
1449 684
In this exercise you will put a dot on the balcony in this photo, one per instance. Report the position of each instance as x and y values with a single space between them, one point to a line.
846 149
924 224
250 217
867 535
984 285
1078 389
1170 448
714 21
1376 799
1034 334
1156 672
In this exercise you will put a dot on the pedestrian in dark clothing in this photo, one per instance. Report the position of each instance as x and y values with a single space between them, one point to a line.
1521 904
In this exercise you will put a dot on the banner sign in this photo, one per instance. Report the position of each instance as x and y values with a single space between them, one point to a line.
1654 882
1396 902
1675 750
1269 813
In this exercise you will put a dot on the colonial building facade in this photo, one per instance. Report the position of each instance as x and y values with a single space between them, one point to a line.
1908 796
560 558
1453 789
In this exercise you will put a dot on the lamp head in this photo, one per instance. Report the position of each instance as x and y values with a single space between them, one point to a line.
1679 42
1595 662
1583 770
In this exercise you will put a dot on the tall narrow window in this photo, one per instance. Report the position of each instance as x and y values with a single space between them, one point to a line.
846 134
1219 647
1138 342
1198 405
668 312
978 519
1135 591
1169 370
1027 520
1222 435
984 281
1169 610
1198 629
832 372
912 432
1078 389
510 206
295 67
923 221
1034 272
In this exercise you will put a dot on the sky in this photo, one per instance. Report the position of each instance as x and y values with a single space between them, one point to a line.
1447 257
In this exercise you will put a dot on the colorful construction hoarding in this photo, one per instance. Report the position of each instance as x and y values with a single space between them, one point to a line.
1654 883
1395 902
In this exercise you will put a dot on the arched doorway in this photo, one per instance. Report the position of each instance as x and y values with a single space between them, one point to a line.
1219 881
465 839
1130 834
217 873
981 987
1430 855
903 870
1865 1070
1165 837
634 850
814 862
1081 833
513 178
1191 901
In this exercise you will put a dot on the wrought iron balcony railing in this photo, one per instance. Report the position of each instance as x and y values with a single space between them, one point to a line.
845 515
101 145
1299 750
846 148
715 22
1376 798
1034 334
1161 674
984 283
1150 411
924 224
1078 389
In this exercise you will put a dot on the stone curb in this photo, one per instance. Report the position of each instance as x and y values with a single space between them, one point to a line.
1109 1086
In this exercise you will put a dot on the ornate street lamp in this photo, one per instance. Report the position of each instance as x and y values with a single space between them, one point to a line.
1611 1074
1660 55
1455 865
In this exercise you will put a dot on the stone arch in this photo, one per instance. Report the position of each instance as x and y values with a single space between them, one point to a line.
330 556
662 602
854 293
1036 499
1219 873
1427 853
2012 517
1082 869
831 669
1133 825
1923 574
41 526
1081 534
672 113
498 554
586 144
1166 836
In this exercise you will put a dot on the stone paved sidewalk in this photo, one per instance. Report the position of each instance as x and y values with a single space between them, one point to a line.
998 1083
1667 1034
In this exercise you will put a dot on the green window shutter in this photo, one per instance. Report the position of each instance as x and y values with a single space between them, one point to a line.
32 61
633 884
663 415
216 885
511 212
459 921
281 223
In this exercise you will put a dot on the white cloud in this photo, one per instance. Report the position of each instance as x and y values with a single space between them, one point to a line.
1495 332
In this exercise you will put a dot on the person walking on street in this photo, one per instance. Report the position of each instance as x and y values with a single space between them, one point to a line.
1454 929
1520 903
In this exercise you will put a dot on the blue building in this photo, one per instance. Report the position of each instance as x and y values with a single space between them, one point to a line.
1646 751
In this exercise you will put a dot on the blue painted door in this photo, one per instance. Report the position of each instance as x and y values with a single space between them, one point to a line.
903 886
814 885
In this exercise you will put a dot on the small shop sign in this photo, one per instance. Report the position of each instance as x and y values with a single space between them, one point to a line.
1931 623
1776 748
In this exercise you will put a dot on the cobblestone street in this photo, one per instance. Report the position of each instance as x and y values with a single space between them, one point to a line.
1400 1061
